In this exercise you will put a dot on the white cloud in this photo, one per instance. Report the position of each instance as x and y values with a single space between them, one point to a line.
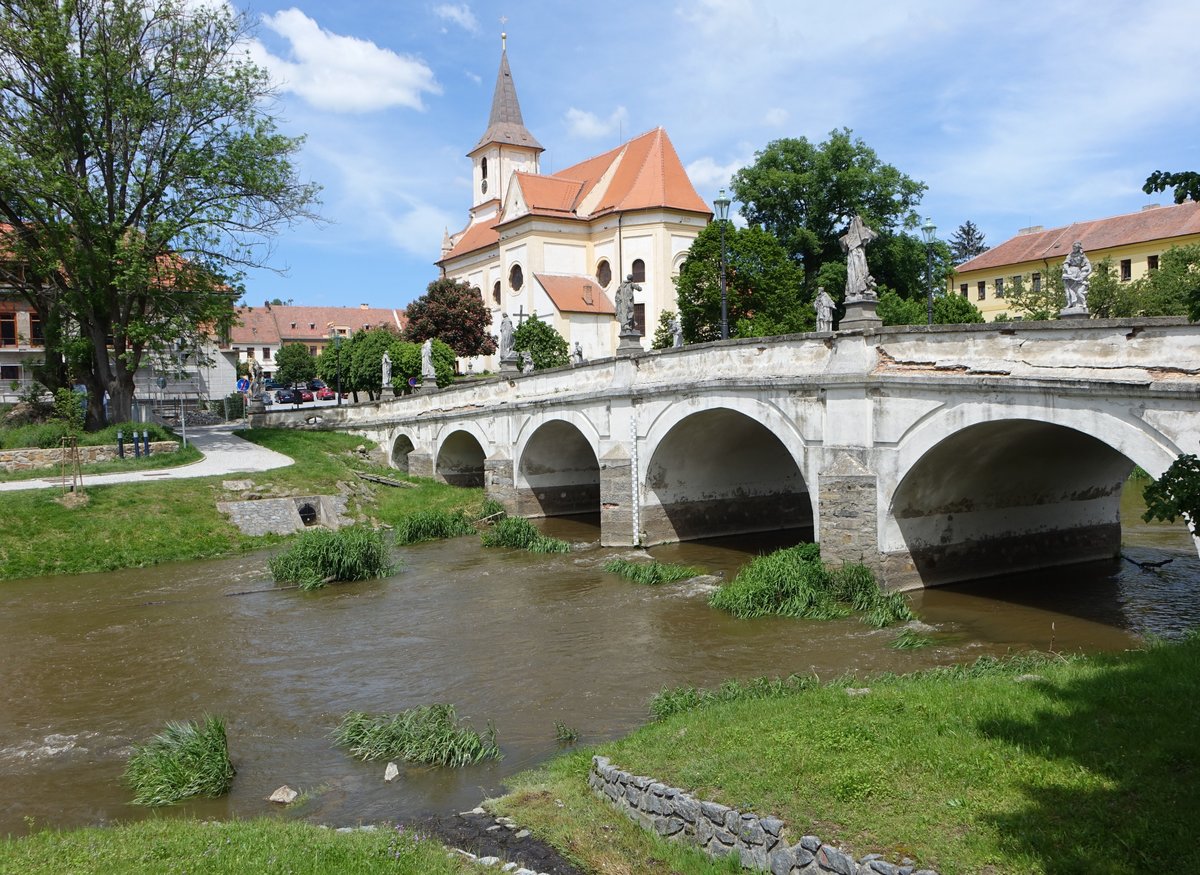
342 73
707 173
459 14
474 77
581 123
776 117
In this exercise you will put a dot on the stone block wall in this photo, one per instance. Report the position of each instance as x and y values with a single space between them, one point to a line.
31 459
721 831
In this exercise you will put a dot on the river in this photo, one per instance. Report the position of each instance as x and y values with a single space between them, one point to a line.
91 664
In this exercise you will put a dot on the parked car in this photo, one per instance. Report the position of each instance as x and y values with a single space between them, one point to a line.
285 396
316 385
301 394
324 393
271 383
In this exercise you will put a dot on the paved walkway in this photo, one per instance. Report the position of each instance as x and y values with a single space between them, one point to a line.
223 454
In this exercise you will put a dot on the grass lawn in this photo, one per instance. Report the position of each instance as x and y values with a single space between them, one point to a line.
235 848
1048 766
131 525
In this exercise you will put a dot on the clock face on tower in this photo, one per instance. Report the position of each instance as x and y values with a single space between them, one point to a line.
483 186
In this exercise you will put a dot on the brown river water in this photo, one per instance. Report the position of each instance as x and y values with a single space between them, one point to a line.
92 664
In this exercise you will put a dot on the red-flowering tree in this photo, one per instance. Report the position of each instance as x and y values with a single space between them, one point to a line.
453 312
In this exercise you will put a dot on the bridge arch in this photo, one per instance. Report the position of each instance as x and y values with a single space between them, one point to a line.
460 458
722 470
974 495
557 466
401 445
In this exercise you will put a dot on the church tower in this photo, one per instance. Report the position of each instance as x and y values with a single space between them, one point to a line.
506 146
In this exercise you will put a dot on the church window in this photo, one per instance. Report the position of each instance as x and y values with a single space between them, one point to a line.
638 269
483 168
639 318
604 273
496 292
516 278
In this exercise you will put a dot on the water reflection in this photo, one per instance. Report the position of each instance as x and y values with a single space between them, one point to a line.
93 664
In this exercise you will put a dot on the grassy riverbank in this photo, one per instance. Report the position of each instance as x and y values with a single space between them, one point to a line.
1031 765
235 848
130 525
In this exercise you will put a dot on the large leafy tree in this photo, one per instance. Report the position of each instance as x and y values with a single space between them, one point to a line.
406 364
947 310
546 346
763 286
806 193
362 360
966 242
1186 184
294 364
454 312
141 173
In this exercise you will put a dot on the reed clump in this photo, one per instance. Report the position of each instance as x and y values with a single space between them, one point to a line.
320 557
793 582
184 760
434 524
428 734
650 573
519 533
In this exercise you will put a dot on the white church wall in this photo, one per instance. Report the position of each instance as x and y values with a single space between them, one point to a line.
593 333
565 258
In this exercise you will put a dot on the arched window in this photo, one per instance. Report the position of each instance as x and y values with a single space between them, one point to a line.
638 269
483 168
516 277
603 273
496 292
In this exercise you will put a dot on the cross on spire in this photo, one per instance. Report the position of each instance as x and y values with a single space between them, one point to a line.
503 35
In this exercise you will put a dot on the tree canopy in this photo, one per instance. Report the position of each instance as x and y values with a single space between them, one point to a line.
294 364
406 364
141 173
947 310
1186 184
966 243
805 194
453 311
546 346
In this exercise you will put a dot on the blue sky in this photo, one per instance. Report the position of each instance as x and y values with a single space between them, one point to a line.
1013 113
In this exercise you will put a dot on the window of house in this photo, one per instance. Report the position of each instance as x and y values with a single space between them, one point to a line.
1151 262
496 292
982 287
639 318
999 287
1126 269
604 273
1037 282
36 336
250 352
8 329
516 278
8 373
266 353
963 290
638 270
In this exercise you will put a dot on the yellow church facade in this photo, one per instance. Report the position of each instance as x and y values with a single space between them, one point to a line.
1133 242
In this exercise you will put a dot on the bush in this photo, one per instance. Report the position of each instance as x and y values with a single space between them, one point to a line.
184 760
319 557
650 573
429 734
520 533
235 406
432 525
793 582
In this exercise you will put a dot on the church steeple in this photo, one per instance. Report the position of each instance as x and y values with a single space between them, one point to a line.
506 147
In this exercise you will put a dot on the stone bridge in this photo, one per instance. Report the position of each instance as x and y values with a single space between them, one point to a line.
932 454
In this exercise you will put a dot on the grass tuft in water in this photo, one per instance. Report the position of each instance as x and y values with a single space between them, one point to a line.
909 639
319 557
650 573
491 508
793 582
564 734
429 734
676 700
434 524
184 760
521 534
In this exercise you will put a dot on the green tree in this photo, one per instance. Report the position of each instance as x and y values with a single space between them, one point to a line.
333 363
294 364
453 311
1176 493
806 194
406 364
664 337
1177 280
764 292
141 171
363 361
546 346
947 310
1037 302
966 243
1186 184
896 310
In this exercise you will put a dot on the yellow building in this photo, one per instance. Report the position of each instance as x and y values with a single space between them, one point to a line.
1133 242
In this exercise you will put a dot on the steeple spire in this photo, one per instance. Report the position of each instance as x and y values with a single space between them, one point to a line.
505 124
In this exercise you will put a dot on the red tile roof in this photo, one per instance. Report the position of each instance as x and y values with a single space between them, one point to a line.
281 323
1159 223
477 236
575 294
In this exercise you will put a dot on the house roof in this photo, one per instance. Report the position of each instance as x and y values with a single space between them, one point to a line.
576 294
1157 223
505 124
280 323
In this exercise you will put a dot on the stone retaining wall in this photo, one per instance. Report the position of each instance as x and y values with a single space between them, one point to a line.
721 831
30 459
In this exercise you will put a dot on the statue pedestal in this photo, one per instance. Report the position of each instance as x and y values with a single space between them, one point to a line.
860 314
1074 313
509 364
631 344
255 405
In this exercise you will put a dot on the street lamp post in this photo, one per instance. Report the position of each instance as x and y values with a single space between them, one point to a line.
928 230
721 205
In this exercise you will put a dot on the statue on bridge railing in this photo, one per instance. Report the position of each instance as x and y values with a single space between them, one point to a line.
860 285
1076 273
625 309
824 305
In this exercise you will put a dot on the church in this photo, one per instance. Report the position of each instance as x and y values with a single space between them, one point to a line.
560 244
